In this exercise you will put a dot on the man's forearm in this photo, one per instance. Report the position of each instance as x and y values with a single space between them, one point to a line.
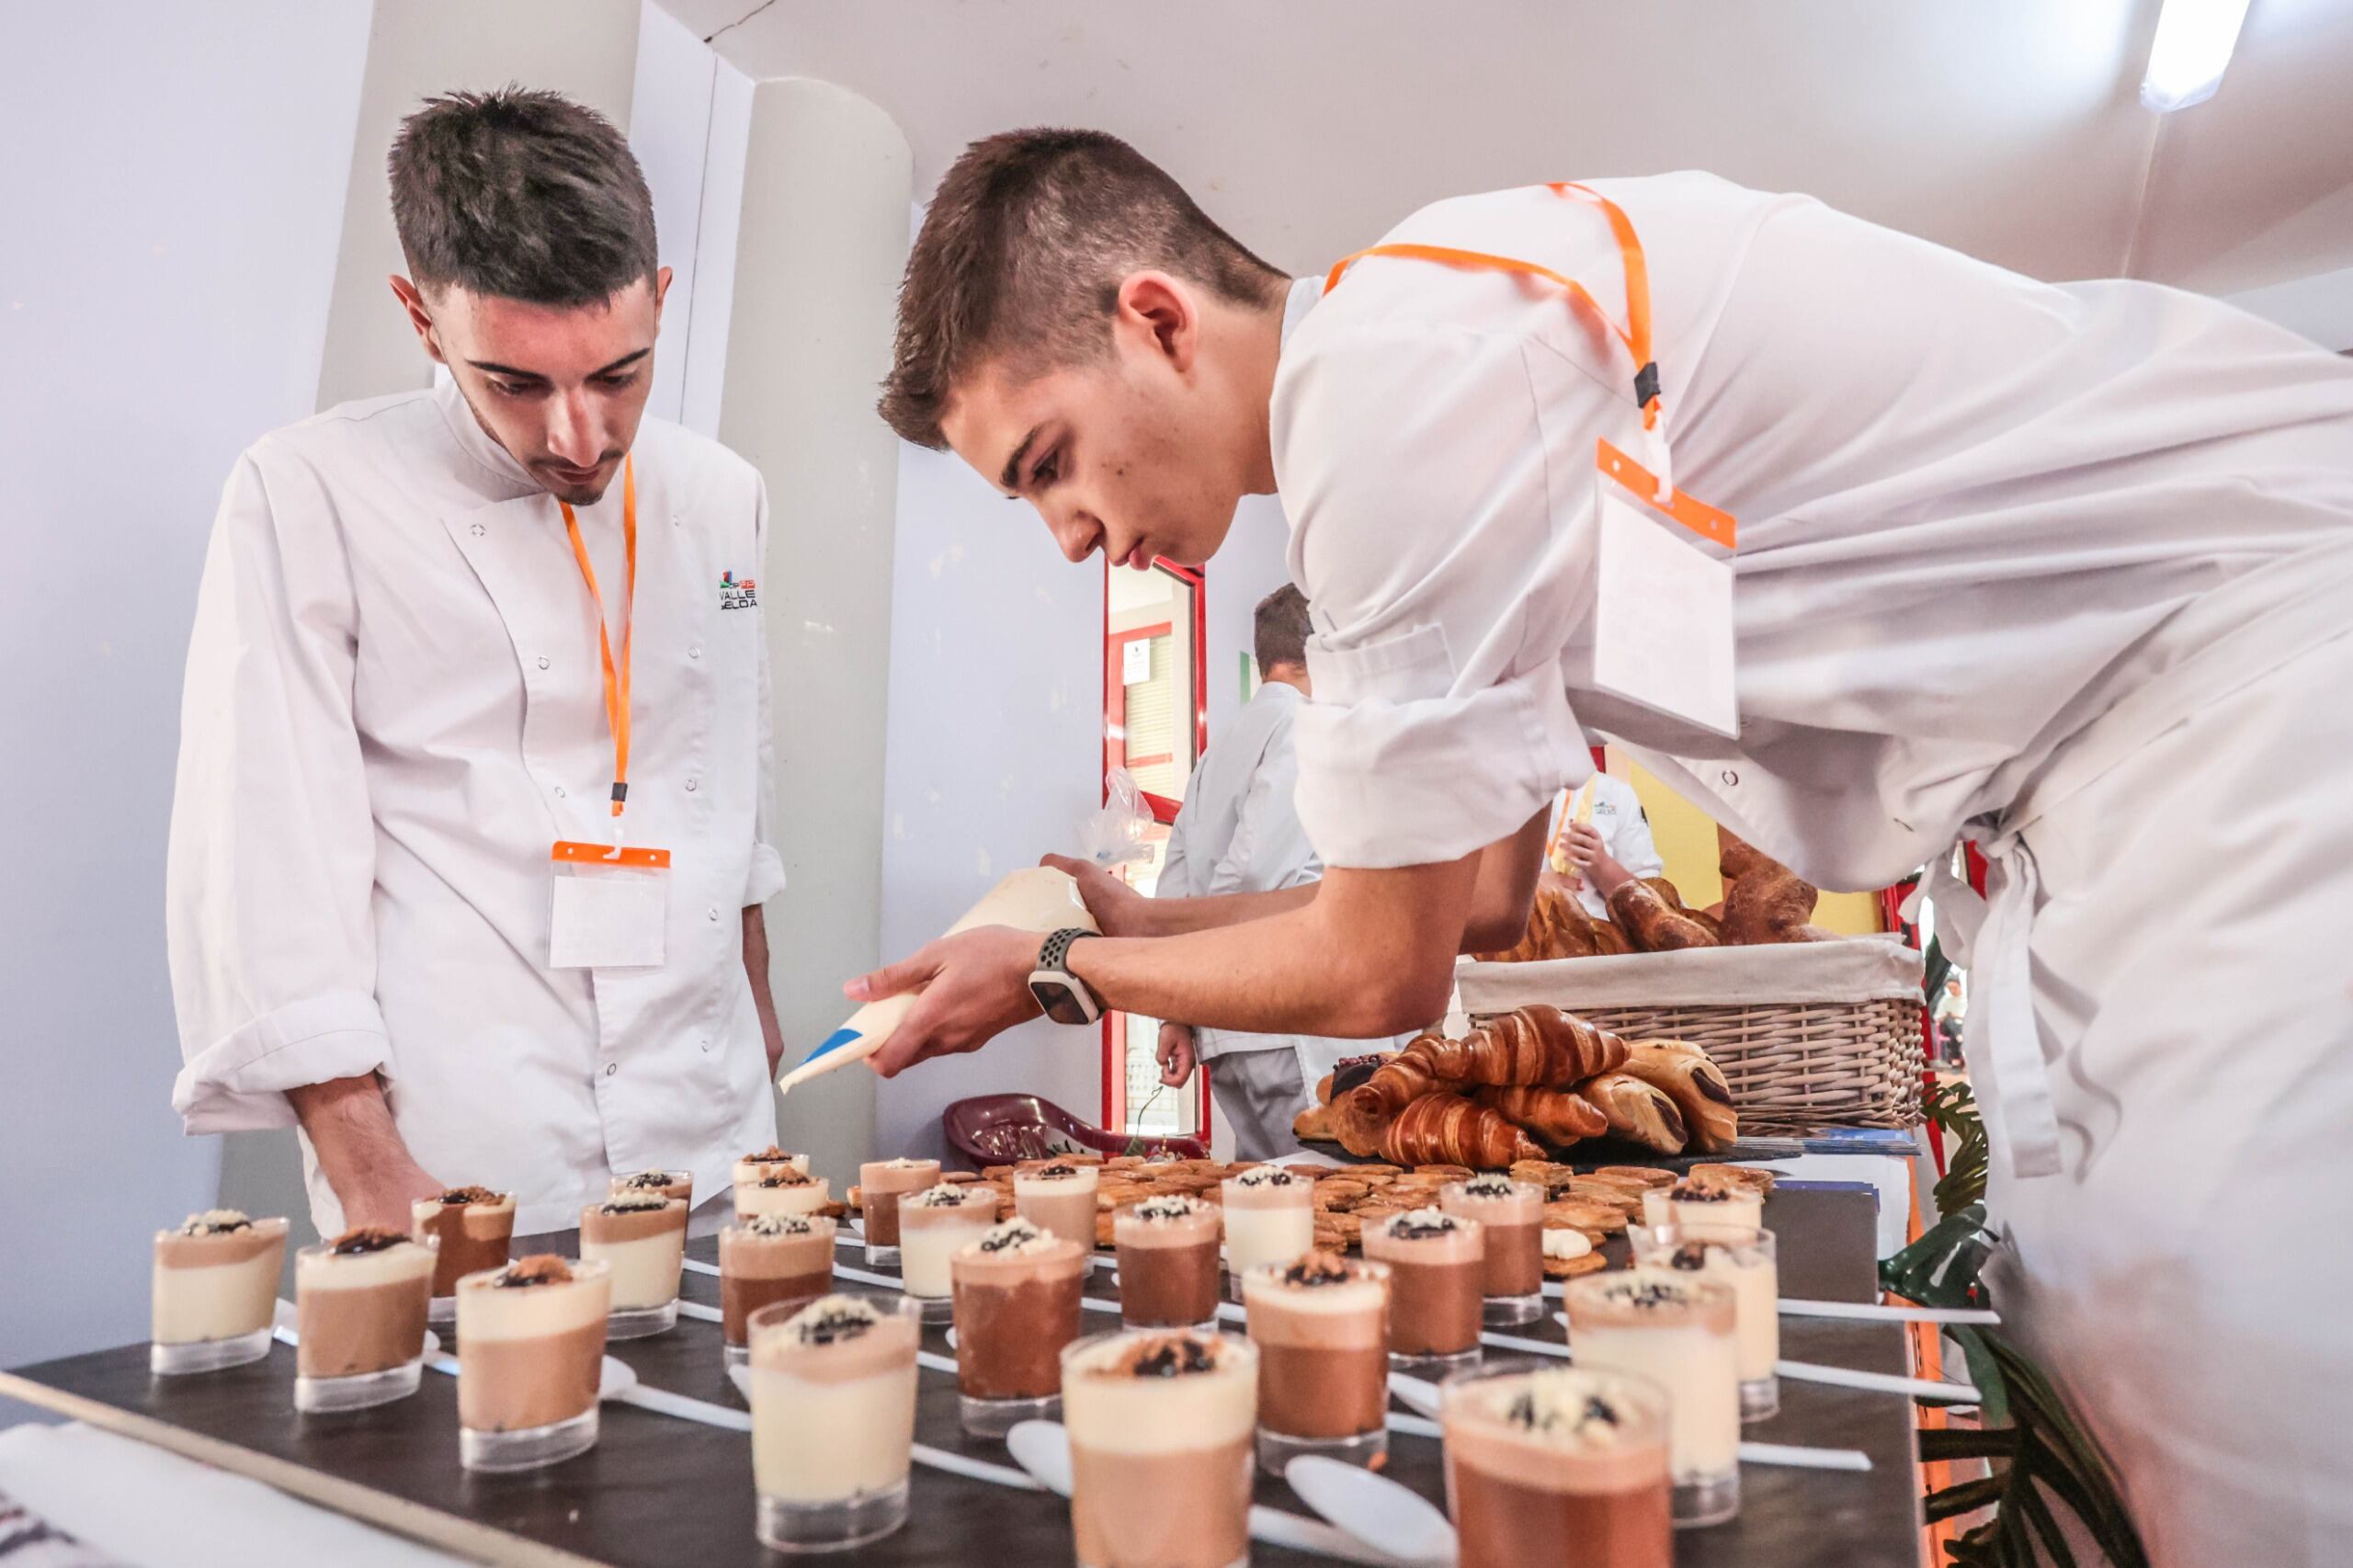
360 1151
1176 916
756 970
1606 875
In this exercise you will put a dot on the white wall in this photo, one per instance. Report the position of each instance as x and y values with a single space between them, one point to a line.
172 202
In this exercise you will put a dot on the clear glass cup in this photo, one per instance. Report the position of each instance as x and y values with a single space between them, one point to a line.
1160 1457
934 1226
1701 1208
213 1297
1678 1330
1554 1464
1016 1309
881 1184
530 1359
1437 1289
1170 1274
647 1249
679 1185
1323 1360
1749 1263
1058 1196
833 1418
1267 1219
766 1260
781 1189
360 1318
1512 1213
471 1234
751 1167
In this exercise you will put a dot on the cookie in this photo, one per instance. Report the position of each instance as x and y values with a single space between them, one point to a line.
1569 1267
1640 1176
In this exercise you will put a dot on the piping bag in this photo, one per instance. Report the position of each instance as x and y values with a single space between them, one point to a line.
1038 899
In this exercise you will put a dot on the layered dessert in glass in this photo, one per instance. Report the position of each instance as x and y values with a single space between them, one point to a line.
471 1227
531 1351
764 1260
1745 1261
1701 1208
880 1183
1678 1330
1160 1427
1561 1465
1511 1217
1270 1218
1058 1196
1437 1287
1016 1305
359 1305
759 1162
934 1226
215 1286
832 1419
1321 1324
780 1190
643 1237
679 1185
1169 1273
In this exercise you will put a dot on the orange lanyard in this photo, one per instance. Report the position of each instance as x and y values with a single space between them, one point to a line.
616 680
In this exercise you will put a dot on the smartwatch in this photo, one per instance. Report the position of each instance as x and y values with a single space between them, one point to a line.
1063 995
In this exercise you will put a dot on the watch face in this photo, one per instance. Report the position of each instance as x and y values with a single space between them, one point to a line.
1061 1002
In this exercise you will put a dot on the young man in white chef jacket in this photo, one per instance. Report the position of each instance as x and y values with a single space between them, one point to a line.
2057 567
1595 857
397 707
1239 832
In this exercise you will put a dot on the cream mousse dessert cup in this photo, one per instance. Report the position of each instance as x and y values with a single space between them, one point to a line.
766 1260
530 1355
1557 1464
832 1419
881 1184
780 1190
934 1226
1747 1262
1678 1330
642 1235
1700 1208
1437 1288
215 1287
471 1228
1321 1324
1016 1305
1057 1196
359 1306
1270 1218
759 1162
1160 1423
1170 1276
679 1185
1511 1218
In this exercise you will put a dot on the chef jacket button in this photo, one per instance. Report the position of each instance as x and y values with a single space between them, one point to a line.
695 651
704 1043
611 1068
543 661
559 792
1730 776
714 912
690 786
480 531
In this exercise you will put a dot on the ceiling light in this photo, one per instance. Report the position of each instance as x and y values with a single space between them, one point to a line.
2192 49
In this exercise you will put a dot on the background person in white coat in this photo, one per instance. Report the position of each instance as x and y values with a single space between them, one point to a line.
2053 566
1238 832
1593 858
396 706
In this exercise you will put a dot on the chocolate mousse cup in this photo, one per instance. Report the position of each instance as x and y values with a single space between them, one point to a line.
1322 1328
769 1260
1170 1276
1016 1305
758 1163
215 1283
1556 1465
1058 1196
833 1400
473 1227
530 1353
359 1303
780 1190
1437 1288
1160 1427
643 1236
880 1185
1512 1215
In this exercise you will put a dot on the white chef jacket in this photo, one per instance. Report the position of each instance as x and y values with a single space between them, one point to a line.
394 708
1970 506
1625 834
1239 833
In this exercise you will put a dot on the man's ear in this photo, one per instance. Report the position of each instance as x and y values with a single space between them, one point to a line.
413 301
661 291
1158 313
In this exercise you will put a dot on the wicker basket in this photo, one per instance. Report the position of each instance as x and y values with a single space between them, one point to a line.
1808 1035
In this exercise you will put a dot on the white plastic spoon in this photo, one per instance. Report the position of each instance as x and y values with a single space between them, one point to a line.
1376 1510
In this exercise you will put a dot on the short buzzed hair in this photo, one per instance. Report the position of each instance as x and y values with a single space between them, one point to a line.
1026 242
1279 630
523 194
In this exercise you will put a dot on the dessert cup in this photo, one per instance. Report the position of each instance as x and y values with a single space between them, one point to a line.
642 1235
1017 1291
1746 1261
1511 1214
530 1356
1556 1465
832 1419
880 1183
1058 1196
471 1228
1677 1330
1269 1216
359 1304
1170 1276
764 1260
1160 1426
1437 1288
1321 1324
215 1287
934 1226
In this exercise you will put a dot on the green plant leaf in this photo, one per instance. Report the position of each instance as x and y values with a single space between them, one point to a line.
1965 1498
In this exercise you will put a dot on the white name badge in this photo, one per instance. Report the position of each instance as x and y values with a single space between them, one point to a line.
609 911
1662 610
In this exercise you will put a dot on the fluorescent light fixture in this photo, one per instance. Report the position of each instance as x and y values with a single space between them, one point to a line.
2192 49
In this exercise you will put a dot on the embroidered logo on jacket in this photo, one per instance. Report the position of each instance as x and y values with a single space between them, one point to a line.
738 593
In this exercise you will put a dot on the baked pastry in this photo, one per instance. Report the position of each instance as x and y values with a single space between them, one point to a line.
1640 1176
1536 1045
1554 1114
1448 1127
1754 1179
1638 1112
1361 1114
1655 925
1317 1121
1696 1084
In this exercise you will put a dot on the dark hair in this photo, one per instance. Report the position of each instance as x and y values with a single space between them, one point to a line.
1026 243
523 194
1278 628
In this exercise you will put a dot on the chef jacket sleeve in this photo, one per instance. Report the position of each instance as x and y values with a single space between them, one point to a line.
271 865
1270 850
767 876
1443 549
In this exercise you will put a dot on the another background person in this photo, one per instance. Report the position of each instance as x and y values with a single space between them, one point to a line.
1593 858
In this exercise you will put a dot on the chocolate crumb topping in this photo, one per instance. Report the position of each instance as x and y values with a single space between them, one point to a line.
946 1195
1419 1224
779 1225
634 1203
1059 1170
1319 1268
1171 1206
1265 1175
768 1156
645 1181
1648 1295
1488 1187
786 1175
1689 1191
832 1320
1691 1258
1172 1358
540 1268
1528 1417
1015 1232
366 1239
456 1196
216 1222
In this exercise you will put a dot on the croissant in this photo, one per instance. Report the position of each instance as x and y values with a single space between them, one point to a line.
1764 900
1556 1116
1638 1112
1653 925
1696 1085
1557 928
1537 1044
1446 1128
1360 1115
1318 1120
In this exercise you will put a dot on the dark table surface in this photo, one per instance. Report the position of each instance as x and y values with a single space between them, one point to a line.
659 1491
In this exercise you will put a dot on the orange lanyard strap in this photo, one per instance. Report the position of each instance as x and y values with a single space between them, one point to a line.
1635 335
616 680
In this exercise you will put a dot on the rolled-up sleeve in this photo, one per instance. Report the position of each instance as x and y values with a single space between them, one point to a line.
271 867
765 879
1442 557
